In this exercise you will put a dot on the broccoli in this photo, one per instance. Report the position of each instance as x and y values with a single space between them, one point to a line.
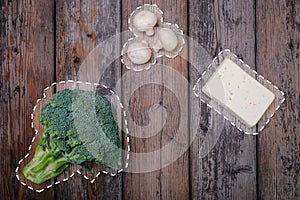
79 128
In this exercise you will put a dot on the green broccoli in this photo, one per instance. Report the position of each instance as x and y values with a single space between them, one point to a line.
79 128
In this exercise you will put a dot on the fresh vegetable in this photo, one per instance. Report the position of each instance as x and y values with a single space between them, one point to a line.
144 21
139 52
79 128
167 40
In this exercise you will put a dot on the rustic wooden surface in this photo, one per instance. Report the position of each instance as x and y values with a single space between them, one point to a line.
43 41
278 48
231 166
171 182
27 66
80 26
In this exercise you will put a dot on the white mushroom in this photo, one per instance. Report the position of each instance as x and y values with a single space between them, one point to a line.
167 39
144 21
139 52
157 45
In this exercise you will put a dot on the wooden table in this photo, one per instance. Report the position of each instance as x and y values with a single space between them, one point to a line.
43 41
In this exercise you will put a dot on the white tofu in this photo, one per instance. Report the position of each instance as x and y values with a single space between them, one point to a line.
238 92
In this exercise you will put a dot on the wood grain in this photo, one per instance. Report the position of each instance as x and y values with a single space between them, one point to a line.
27 67
81 25
229 170
278 47
141 185
175 178
42 41
170 182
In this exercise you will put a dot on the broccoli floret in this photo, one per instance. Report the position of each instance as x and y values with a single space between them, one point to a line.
79 128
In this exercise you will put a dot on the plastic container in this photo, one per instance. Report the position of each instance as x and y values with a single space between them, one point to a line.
139 36
226 113
73 170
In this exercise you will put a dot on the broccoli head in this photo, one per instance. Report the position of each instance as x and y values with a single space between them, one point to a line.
79 128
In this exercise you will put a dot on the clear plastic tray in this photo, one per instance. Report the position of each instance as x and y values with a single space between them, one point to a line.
234 120
139 36
73 170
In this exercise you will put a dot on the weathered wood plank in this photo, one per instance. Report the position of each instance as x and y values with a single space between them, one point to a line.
229 170
175 177
171 182
137 185
278 47
27 67
27 63
81 25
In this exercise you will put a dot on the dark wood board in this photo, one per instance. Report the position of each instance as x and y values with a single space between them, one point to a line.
171 182
278 48
45 41
27 67
229 170
81 26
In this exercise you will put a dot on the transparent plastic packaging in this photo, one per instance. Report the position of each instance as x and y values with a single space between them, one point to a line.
225 112
73 170
151 40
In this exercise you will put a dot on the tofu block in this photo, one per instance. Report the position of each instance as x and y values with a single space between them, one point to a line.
238 92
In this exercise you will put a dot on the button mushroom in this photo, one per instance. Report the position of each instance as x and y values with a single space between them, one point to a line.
167 40
139 52
144 21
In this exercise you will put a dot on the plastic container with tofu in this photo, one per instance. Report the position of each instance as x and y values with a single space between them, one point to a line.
234 90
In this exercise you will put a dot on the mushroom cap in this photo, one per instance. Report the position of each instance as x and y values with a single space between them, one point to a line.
168 39
139 52
144 20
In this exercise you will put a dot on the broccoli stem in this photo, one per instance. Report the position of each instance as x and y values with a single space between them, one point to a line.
45 164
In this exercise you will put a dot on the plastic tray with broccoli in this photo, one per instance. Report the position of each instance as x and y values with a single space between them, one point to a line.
79 128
